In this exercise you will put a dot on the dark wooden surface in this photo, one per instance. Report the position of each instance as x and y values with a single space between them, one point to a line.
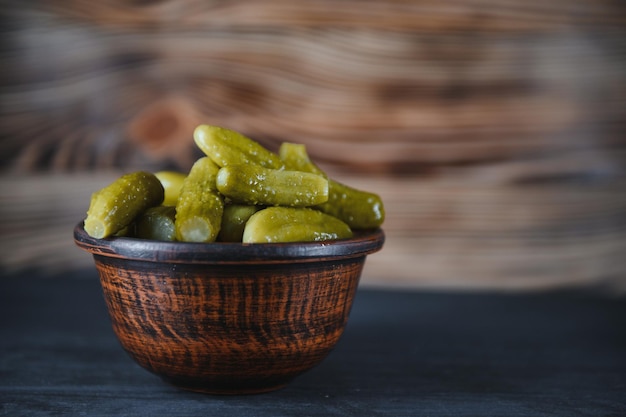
403 354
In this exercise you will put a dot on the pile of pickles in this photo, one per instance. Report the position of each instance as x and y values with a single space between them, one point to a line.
239 192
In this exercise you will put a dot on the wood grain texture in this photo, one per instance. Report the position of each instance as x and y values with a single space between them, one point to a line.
125 84
206 323
495 131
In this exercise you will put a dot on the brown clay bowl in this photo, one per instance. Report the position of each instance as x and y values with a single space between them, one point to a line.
229 318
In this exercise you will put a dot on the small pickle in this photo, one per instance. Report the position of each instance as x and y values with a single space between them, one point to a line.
200 206
359 209
172 182
234 220
157 223
295 157
253 184
115 206
287 224
227 147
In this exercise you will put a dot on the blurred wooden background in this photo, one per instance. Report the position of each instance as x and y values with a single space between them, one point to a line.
495 131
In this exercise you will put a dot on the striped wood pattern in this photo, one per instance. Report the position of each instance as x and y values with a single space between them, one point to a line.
495 131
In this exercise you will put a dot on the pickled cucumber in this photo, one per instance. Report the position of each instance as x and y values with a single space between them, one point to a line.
253 184
200 206
157 223
240 191
359 209
234 221
296 157
287 224
115 206
172 182
227 147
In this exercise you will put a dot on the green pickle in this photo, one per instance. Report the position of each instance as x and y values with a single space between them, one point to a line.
295 156
200 206
227 147
359 209
234 221
288 224
240 191
172 182
114 207
157 223
253 184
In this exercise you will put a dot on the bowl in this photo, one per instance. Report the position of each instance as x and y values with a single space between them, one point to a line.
229 318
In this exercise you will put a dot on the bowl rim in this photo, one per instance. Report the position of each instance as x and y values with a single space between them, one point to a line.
364 242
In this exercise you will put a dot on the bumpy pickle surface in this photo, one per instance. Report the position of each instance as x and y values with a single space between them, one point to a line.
289 224
359 209
249 178
296 157
253 184
200 206
227 147
157 223
115 206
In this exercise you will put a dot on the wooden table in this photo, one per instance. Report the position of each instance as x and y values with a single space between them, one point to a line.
409 353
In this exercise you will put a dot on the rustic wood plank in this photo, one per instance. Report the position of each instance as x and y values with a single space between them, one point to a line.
495 131
409 97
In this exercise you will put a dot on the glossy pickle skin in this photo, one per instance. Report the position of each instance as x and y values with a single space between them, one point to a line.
227 147
200 206
172 182
115 206
296 157
240 191
234 221
157 223
359 209
291 224
253 184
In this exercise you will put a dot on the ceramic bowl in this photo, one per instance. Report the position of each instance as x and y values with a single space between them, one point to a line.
229 318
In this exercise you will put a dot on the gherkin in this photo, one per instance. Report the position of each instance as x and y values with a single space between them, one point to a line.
359 209
290 224
227 147
253 184
200 206
115 206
